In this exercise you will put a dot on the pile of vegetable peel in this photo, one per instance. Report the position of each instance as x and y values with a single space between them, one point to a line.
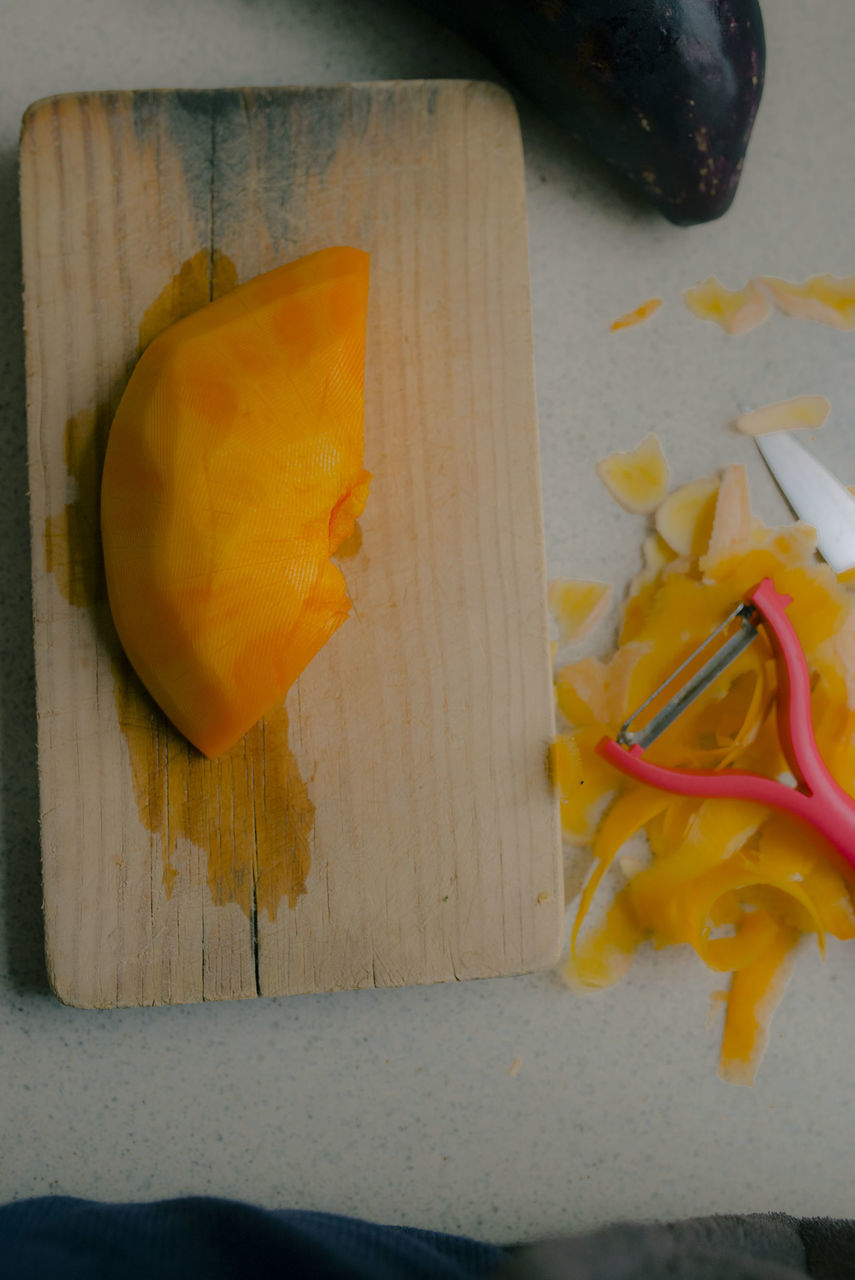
738 883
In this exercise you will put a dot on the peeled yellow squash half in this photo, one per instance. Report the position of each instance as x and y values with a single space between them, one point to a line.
233 472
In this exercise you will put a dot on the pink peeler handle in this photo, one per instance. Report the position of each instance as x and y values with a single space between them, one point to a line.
818 799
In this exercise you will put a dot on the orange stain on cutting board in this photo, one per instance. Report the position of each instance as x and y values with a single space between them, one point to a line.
200 279
72 544
249 810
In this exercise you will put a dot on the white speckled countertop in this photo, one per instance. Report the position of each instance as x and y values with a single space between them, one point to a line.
400 1105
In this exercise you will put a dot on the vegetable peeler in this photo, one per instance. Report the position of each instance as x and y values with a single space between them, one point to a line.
817 798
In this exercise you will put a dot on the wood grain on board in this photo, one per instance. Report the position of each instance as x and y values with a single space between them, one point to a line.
393 822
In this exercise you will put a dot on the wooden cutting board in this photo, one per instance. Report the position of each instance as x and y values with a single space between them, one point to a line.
393 822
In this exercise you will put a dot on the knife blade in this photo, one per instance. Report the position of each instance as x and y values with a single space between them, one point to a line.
815 495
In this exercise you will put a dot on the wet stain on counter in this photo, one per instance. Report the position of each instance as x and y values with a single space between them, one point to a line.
250 809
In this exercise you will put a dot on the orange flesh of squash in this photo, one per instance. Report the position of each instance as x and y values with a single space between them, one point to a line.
233 472
737 882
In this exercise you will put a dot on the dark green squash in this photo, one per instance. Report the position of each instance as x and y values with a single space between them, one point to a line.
665 91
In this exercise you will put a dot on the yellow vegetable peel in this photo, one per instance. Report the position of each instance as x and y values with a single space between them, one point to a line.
734 310
732 518
638 479
685 519
753 997
638 316
784 415
826 299
737 882
577 606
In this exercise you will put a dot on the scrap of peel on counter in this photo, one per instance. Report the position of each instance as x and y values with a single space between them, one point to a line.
825 299
735 881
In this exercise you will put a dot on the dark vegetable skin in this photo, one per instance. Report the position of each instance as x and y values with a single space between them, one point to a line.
665 91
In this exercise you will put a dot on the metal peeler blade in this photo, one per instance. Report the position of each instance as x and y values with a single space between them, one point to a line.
696 684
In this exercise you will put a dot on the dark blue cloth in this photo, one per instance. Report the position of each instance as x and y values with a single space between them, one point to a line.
212 1239
58 1238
